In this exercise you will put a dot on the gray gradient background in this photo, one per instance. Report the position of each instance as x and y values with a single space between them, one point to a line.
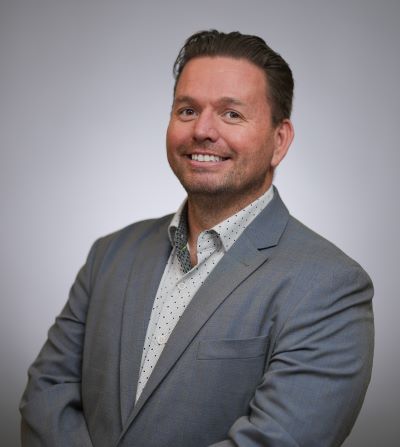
85 91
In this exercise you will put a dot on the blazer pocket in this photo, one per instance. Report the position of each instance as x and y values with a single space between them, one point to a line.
233 348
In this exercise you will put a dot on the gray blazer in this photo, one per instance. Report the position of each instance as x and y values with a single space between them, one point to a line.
274 350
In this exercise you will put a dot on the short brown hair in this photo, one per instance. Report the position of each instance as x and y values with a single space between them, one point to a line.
242 46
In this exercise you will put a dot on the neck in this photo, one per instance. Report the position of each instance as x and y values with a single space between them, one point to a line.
205 211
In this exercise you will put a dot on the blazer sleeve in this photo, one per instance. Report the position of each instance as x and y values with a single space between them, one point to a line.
315 382
51 406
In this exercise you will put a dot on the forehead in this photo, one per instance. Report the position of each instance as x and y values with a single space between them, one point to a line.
222 77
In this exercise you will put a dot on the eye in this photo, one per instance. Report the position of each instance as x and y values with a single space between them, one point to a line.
232 115
186 113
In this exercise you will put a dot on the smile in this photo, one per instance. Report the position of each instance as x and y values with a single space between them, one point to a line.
206 157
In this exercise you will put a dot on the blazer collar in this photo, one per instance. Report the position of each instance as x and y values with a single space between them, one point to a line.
266 230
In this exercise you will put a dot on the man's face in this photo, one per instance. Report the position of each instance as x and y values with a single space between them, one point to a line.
220 138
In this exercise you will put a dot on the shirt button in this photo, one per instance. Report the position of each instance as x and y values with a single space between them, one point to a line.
181 286
161 339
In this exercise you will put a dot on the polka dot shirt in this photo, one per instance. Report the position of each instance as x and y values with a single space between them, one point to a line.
181 281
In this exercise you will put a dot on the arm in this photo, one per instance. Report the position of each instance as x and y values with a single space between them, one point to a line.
51 406
316 379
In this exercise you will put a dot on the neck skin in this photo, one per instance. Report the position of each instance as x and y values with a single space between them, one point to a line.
205 211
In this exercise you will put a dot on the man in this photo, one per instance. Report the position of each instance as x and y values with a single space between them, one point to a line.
227 324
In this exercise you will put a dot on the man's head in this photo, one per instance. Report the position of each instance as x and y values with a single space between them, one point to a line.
242 46
229 129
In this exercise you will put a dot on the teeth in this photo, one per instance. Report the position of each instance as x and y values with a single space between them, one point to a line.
201 157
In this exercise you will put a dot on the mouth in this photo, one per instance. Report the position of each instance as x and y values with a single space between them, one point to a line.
206 158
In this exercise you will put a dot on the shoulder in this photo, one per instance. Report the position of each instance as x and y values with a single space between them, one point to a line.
312 249
323 281
136 230
129 238
324 288
318 276
297 248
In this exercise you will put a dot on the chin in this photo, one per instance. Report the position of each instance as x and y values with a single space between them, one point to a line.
204 190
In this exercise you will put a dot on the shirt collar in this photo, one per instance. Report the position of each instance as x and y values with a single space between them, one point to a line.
179 223
231 228
228 230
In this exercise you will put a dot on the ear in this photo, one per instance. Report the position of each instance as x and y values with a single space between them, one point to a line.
283 137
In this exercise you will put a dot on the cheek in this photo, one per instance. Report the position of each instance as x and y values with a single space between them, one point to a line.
171 142
169 134
236 139
176 136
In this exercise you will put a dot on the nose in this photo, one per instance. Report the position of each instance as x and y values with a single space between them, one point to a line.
205 127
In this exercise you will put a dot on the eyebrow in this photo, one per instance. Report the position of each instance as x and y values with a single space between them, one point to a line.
183 99
223 101
227 100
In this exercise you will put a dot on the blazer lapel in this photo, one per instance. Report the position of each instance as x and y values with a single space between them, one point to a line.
250 251
145 275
